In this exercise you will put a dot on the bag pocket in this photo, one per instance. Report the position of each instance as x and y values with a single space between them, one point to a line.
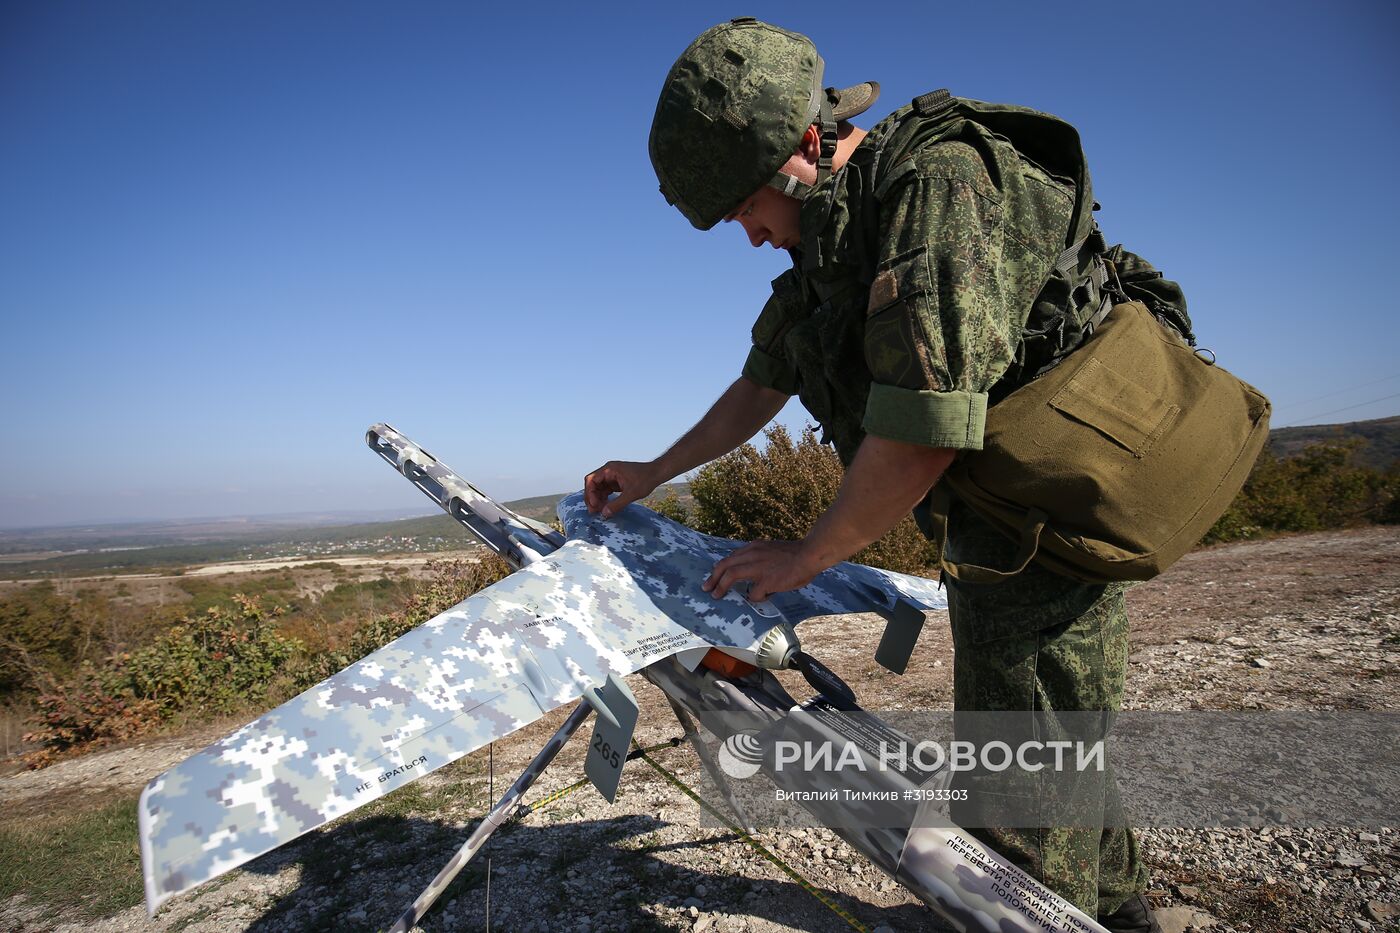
1130 415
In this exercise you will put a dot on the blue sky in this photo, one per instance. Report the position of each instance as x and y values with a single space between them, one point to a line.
233 235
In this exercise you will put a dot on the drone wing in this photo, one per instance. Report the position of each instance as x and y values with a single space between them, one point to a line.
479 671
620 595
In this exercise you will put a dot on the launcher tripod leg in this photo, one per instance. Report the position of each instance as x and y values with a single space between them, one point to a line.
717 776
493 820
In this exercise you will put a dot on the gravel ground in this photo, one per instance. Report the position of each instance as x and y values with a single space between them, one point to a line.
1298 623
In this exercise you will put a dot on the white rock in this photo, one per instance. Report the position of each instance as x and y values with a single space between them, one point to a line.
1181 919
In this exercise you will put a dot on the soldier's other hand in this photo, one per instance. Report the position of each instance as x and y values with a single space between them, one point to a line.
769 566
629 479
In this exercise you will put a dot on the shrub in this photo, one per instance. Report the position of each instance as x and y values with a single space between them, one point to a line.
209 592
779 493
221 661
1320 488
669 506
1390 512
86 713
450 583
45 636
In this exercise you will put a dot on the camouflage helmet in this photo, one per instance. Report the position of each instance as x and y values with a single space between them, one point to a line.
733 110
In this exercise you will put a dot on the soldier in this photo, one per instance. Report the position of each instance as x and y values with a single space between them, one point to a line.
940 259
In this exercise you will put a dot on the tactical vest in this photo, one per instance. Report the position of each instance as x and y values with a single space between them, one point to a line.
824 297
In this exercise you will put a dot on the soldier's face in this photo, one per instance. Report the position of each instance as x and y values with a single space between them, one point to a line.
769 216
772 217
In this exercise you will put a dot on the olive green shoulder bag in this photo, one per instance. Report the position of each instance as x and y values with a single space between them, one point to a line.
1114 463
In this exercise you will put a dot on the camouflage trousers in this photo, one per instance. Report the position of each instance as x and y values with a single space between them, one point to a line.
1041 642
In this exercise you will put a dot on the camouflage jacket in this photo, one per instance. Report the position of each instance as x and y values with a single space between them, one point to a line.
926 264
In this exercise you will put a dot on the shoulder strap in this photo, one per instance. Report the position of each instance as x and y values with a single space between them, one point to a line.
933 103
926 116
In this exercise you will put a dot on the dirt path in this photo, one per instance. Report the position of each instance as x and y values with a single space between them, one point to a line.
1322 612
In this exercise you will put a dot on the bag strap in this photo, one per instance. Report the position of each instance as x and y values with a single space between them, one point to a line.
940 503
1099 283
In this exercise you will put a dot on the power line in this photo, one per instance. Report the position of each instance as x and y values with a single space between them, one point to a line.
1364 385
1357 405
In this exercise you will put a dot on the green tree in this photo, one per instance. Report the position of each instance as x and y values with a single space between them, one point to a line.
45 636
780 492
1321 487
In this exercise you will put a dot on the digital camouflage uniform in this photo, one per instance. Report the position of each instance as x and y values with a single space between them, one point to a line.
925 287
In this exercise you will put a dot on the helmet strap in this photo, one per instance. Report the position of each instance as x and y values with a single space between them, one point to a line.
828 150
790 185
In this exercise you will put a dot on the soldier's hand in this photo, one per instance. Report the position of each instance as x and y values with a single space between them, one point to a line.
768 566
629 479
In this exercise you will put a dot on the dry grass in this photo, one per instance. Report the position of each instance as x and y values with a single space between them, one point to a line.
86 862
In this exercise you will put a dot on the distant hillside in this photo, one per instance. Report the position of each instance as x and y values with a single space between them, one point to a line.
1382 436
137 547
161 532
428 534
540 508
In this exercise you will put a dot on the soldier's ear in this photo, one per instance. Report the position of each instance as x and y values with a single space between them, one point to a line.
810 145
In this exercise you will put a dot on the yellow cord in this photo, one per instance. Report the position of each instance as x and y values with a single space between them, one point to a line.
757 846
527 809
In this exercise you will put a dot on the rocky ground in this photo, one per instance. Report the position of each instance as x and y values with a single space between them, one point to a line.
1304 623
